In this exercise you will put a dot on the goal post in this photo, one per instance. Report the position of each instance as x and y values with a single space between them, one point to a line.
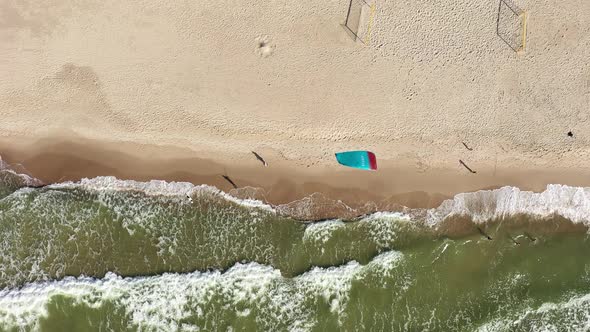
359 19
511 25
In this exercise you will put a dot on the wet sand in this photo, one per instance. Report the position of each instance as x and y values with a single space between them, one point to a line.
396 183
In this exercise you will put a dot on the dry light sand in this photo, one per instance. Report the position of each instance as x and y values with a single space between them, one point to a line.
141 89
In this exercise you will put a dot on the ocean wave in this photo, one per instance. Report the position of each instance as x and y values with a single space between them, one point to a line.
322 231
162 302
572 314
157 188
572 203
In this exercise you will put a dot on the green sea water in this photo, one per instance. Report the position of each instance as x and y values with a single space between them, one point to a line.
79 257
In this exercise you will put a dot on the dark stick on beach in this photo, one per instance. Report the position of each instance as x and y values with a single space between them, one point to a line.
468 148
230 181
484 234
260 158
469 169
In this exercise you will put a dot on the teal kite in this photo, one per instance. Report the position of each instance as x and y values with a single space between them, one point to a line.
358 159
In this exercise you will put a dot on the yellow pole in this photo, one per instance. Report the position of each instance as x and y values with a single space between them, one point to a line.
370 23
523 31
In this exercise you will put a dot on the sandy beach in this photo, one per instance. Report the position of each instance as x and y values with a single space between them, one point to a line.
184 91
397 184
131 199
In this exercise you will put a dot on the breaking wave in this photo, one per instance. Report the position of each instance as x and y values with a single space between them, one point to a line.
572 203
110 254
172 301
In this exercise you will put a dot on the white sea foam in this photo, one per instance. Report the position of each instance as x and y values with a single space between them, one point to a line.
445 246
322 231
3 164
157 188
160 302
386 263
319 206
573 314
384 227
26 179
572 203
387 215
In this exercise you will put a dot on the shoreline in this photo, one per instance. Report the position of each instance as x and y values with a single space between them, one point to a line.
391 187
83 84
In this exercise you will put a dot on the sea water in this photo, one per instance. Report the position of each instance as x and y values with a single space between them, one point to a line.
110 255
